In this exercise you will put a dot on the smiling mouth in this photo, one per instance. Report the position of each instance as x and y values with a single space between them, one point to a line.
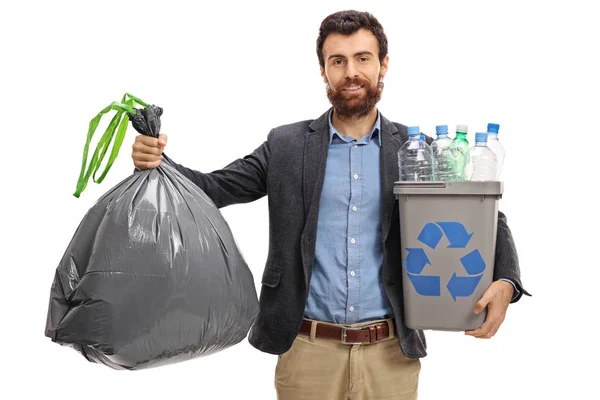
354 88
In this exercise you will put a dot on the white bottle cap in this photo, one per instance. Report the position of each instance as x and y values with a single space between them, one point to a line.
462 128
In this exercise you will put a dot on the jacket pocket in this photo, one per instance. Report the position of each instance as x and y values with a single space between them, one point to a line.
271 277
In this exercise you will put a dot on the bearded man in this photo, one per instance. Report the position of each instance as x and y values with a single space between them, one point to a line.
331 305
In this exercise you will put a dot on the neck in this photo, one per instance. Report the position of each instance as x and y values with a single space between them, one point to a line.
355 127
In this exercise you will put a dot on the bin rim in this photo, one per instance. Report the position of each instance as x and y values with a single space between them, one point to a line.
444 188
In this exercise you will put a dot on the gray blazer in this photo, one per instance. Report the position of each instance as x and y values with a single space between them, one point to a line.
289 167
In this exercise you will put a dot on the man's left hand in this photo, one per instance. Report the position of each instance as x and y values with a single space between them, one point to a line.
497 298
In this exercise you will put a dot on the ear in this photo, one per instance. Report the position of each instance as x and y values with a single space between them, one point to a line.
324 75
384 66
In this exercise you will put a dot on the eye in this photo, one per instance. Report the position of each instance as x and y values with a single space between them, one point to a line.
364 59
338 61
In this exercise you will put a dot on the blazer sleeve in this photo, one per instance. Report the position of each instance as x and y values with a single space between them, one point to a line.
242 181
507 260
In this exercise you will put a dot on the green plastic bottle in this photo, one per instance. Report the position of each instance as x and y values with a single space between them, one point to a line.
460 152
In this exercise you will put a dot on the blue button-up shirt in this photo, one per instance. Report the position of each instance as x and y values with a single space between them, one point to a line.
346 285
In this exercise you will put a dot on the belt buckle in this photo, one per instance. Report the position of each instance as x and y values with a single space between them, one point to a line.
344 335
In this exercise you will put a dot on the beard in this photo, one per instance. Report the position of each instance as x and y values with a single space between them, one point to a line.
355 105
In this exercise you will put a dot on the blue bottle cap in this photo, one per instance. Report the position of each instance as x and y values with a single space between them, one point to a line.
441 129
414 131
493 128
481 137
422 137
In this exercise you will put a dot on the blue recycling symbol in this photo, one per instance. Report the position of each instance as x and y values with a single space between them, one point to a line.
417 260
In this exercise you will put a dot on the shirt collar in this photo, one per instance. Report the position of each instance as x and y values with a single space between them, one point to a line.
375 131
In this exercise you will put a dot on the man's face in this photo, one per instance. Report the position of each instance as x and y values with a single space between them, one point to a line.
352 72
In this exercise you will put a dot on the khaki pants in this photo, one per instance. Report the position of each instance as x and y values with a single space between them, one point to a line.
326 369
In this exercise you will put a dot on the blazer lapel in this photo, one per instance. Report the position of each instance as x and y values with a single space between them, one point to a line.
392 139
315 160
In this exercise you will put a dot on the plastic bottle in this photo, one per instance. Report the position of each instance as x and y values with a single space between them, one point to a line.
494 143
459 152
415 158
483 165
444 167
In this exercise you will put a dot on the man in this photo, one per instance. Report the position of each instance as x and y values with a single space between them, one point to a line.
334 254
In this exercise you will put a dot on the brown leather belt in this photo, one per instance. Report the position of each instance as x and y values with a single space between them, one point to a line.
365 334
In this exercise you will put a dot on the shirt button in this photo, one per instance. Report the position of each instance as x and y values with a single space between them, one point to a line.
354 208
352 273
355 146
355 176
352 240
351 308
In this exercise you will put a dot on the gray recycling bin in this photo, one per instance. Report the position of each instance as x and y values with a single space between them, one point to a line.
448 238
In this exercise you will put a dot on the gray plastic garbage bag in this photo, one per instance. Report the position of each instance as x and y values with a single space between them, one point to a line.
152 275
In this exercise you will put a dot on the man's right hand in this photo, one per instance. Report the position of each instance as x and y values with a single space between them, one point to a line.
147 151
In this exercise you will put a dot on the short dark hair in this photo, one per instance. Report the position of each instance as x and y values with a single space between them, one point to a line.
348 22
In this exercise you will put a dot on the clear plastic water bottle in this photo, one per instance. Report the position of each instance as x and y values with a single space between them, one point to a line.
459 152
415 158
444 167
494 143
483 165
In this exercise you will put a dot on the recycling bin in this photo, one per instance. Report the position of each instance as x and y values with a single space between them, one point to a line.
448 238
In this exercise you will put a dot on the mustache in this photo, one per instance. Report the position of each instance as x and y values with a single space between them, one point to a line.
355 82
352 82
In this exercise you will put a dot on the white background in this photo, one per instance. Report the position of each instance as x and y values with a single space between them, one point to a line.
225 74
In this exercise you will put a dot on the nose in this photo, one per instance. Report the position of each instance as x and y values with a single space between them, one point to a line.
351 71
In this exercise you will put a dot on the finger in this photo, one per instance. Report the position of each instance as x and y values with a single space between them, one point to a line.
489 334
139 147
491 326
481 331
493 331
139 156
147 140
486 327
162 139
483 302
496 326
147 164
